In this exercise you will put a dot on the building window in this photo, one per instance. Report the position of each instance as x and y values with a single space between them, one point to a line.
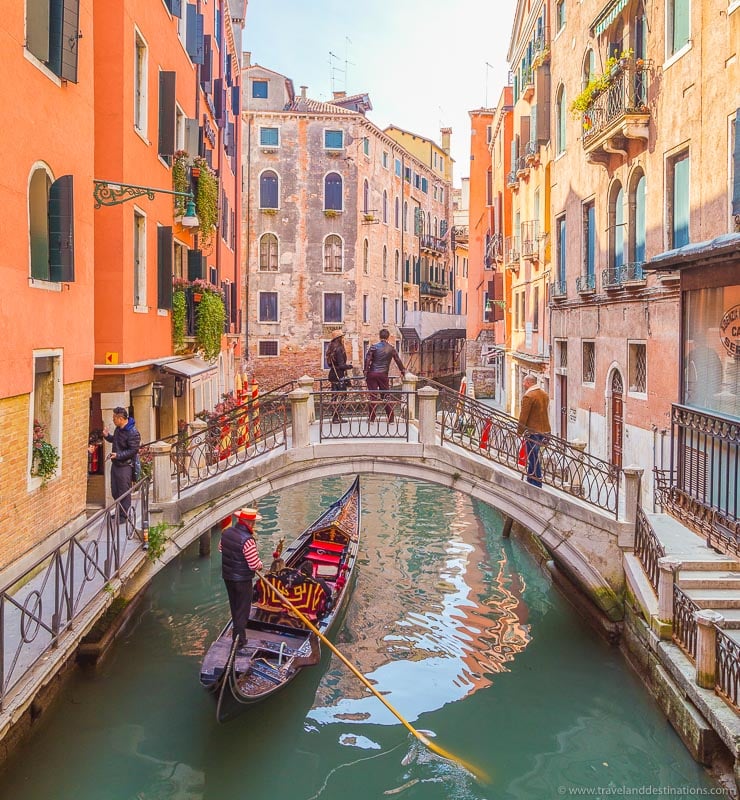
269 137
268 307
366 197
268 252
589 240
385 262
180 265
385 207
397 213
332 253
386 159
269 189
366 257
52 33
637 226
397 267
366 146
268 348
561 246
333 307
333 140
384 310
616 226
560 15
259 89
677 199
38 208
46 403
562 355
562 115
535 308
734 170
396 311
140 85
637 368
139 260
589 68
425 185
405 215
679 25
365 308
589 362
398 167
333 192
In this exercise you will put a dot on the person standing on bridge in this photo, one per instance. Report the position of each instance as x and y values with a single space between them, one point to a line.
534 425
239 561
377 363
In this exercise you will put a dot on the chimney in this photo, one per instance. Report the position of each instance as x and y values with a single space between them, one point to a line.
303 92
246 60
446 133
339 95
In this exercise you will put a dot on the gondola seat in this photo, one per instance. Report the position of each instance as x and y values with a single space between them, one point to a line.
307 596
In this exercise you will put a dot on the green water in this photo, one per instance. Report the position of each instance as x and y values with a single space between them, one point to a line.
462 632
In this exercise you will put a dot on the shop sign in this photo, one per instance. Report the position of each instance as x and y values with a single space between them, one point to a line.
729 331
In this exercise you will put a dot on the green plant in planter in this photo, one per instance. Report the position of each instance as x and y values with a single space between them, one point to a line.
330 212
206 200
45 459
180 180
179 314
209 326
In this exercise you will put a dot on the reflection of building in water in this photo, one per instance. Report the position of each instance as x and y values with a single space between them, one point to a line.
427 597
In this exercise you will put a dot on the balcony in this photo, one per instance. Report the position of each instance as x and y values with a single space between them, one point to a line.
432 289
512 182
522 167
370 216
512 252
432 243
558 290
618 113
528 84
586 284
532 153
530 240
627 276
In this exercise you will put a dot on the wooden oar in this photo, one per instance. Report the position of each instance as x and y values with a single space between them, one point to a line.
482 776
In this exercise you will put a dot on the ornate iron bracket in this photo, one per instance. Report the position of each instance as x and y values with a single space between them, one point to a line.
107 193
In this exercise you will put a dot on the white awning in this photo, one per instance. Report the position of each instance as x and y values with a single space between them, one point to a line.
188 367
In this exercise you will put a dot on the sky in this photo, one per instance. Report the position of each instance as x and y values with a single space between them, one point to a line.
424 63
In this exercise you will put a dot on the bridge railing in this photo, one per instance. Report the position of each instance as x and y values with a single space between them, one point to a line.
45 601
493 434
648 547
357 413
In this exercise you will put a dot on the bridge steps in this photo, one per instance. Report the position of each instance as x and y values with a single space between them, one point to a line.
706 579
717 599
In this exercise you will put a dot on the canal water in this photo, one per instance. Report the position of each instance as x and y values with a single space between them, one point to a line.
460 629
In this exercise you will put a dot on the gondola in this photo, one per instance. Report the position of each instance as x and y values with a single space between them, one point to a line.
279 646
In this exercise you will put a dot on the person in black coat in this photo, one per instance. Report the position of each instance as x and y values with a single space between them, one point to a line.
336 358
126 441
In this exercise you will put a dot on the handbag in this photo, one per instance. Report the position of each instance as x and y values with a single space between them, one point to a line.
522 461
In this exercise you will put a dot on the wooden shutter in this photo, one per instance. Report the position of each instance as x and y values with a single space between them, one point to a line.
218 97
192 137
195 265
227 305
542 92
175 7
64 18
234 306
164 266
523 134
206 68
236 100
61 230
736 167
167 113
194 35
37 28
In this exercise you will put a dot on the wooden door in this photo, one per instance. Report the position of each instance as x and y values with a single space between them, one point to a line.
563 392
617 418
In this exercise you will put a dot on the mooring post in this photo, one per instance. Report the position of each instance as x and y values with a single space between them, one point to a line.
204 544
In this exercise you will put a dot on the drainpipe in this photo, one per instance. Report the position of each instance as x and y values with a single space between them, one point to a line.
246 200
654 429
403 254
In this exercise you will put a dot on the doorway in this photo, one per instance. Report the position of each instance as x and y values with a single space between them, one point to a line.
563 415
617 415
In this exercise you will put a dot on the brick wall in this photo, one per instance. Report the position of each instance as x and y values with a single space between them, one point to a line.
27 516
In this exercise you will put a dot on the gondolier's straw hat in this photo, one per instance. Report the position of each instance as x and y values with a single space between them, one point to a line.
248 515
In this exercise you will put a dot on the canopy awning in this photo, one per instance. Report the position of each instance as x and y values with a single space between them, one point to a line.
723 248
607 15
188 367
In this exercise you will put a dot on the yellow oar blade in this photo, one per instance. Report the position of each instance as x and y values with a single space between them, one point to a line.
478 773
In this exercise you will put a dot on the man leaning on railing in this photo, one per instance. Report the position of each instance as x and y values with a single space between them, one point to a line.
534 425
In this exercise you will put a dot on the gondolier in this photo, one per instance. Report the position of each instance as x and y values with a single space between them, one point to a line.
239 560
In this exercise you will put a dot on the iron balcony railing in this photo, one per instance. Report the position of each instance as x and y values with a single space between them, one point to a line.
728 668
511 179
558 290
616 277
433 243
433 289
44 603
357 413
684 621
494 249
626 94
512 251
530 239
493 434
531 151
586 284
648 547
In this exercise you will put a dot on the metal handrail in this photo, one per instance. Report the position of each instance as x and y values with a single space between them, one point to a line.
727 680
648 547
358 413
626 94
684 621
43 603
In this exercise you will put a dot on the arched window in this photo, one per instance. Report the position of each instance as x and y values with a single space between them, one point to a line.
366 257
616 225
51 226
561 112
397 270
385 207
333 192
405 215
366 197
38 207
269 189
397 213
435 229
332 253
268 252
385 261
589 68
637 226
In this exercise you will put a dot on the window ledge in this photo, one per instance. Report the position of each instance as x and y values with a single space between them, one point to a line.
163 312
49 286
733 7
589 384
141 309
679 54
142 135
52 76
637 395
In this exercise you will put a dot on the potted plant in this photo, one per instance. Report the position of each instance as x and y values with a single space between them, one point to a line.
330 212
45 458
209 324
180 180
179 317
206 200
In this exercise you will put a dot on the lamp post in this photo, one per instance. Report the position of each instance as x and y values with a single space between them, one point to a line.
109 193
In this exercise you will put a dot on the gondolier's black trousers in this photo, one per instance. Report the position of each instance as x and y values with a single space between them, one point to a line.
240 601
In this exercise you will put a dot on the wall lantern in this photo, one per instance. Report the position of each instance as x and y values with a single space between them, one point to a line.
157 395
107 193
179 386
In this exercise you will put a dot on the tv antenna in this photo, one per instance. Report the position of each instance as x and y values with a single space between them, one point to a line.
334 67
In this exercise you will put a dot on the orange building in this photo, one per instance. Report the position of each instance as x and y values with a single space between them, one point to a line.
46 268
178 74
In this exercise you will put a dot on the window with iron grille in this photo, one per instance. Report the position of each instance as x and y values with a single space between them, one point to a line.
268 347
589 362
332 253
563 354
268 252
638 367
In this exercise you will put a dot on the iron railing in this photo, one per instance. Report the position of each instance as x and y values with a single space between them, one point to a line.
648 547
41 605
530 239
728 668
494 249
616 277
531 150
626 94
511 250
586 284
433 289
684 621
558 289
521 165
493 434
511 178
433 243
358 413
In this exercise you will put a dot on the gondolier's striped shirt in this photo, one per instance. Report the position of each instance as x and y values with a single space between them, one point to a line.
251 556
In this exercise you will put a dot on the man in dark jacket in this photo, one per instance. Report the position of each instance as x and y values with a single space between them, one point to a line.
377 363
239 560
126 441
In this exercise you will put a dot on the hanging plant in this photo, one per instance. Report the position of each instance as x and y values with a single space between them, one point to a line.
45 459
179 315
206 200
209 325
180 180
